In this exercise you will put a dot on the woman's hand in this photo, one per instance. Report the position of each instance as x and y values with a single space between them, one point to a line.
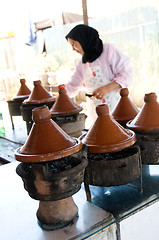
101 92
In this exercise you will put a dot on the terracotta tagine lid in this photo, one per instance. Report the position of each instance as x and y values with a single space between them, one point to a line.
125 109
39 94
147 119
46 141
107 135
63 105
23 92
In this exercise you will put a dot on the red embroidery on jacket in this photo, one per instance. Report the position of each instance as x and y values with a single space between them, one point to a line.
94 74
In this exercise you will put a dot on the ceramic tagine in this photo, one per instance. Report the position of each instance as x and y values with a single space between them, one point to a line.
23 92
39 94
147 120
38 97
146 126
52 169
113 159
107 135
125 109
67 114
64 106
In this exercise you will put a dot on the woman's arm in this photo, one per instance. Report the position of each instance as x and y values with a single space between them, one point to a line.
101 92
120 68
76 82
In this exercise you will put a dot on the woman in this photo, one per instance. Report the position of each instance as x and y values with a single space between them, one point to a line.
102 71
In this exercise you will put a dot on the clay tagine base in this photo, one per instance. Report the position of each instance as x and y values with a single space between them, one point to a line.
73 125
112 169
56 214
148 143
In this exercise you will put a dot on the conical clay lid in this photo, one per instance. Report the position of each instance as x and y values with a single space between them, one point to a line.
46 141
39 94
125 109
64 106
107 135
23 92
147 119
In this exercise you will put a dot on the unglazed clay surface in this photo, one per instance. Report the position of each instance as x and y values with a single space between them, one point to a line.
39 94
64 105
125 109
148 118
107 135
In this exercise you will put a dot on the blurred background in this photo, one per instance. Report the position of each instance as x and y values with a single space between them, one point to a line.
33 44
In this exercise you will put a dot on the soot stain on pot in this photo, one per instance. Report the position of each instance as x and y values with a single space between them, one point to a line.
110 156
55 166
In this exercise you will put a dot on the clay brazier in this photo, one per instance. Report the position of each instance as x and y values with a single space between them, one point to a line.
52 170
113 159
16 102
146 127
67 114
125 109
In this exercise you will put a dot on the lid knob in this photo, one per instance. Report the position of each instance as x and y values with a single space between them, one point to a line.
102 110
124 92
41 114
150 97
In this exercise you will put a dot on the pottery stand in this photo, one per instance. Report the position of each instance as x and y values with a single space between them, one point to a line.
16 102
72 125
113 159
52 169
54 190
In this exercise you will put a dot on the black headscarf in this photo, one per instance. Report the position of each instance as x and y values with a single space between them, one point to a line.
89 39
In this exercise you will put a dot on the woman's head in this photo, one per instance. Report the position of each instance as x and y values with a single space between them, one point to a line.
76 46
88 39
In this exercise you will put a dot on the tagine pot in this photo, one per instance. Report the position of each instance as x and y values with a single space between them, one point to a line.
146 127
52 169
67 114
125 109
106 134
113 158
39 94
23 92
38 97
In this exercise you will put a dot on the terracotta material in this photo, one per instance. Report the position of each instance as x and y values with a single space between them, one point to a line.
54 183
107 135
112 169
46 141
54 180
39 94
73 125
56 214
148 143
23 92
64 106
125 109
147 120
